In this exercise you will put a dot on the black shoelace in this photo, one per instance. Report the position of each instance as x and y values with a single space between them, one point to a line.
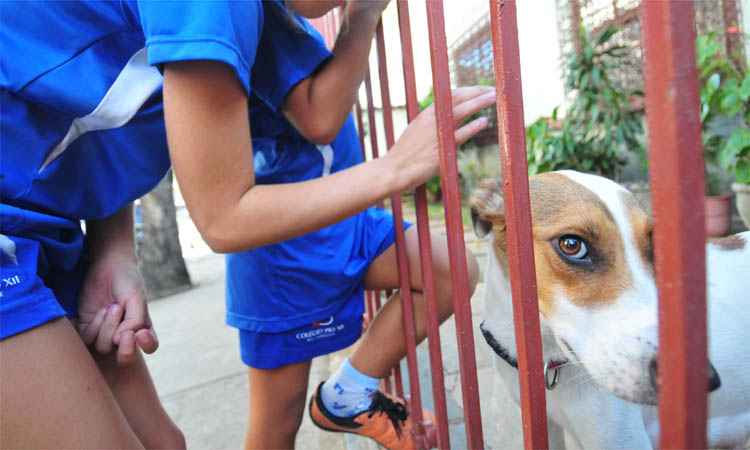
396 412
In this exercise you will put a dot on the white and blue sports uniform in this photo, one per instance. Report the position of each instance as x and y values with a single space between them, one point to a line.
82 129
304 297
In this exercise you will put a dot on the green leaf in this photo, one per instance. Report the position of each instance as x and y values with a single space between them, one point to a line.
745 88
606 35
742 172
736 146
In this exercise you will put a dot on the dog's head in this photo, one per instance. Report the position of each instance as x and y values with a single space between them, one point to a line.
595 274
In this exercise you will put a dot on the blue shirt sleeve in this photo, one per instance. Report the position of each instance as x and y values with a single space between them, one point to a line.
227 31
290 51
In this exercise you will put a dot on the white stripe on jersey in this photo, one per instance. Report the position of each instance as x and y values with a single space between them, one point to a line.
327 152
133 86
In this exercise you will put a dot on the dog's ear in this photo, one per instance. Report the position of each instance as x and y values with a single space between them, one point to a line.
487 207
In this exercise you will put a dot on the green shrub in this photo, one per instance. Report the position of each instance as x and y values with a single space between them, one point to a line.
725 113
600 126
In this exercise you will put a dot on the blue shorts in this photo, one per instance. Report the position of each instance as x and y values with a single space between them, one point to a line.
32 291
273 350
282 297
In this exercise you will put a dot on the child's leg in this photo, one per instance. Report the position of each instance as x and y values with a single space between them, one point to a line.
135 393
382 346
53 395
345 402
277 403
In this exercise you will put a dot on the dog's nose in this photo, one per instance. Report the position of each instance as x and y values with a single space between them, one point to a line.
714 381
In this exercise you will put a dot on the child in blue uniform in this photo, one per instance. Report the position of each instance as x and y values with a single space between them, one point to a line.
302 298
92 93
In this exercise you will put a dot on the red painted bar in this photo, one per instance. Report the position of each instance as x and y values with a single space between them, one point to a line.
456 245
512 137
373 125
371 116
425 242
360 128
369 299
676 156
388 384
407 302
398 381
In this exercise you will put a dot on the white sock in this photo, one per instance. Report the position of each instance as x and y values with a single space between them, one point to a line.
348 392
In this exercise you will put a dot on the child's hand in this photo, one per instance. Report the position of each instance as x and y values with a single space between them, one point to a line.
112 309
416 152
366 7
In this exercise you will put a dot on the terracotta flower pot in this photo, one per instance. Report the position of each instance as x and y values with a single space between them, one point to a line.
718 215
742 192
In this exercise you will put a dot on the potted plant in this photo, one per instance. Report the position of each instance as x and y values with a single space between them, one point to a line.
725 123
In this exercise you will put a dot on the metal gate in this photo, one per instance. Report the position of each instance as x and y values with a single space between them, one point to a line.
676 162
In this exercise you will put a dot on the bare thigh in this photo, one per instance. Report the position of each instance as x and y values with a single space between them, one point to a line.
277 404
53 395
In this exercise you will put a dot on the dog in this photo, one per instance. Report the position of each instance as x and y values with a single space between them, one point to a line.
598 312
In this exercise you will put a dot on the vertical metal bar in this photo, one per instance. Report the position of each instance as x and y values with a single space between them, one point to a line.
371 122
677 184
369 295
425 241
456 244
407 302
371 116
360 128
398 381
388 382
518 220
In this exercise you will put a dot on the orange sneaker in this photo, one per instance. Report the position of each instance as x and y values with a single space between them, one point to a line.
387 422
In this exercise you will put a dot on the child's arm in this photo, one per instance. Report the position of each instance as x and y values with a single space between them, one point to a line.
207 122
112 278
319 105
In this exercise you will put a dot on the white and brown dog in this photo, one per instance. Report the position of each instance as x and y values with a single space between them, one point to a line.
598 311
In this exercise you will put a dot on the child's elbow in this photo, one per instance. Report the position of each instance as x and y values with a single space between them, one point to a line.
219 245
219 240
318 132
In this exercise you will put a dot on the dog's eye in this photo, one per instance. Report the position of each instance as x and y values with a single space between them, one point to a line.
572 247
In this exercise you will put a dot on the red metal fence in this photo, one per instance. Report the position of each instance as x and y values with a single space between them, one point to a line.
676 156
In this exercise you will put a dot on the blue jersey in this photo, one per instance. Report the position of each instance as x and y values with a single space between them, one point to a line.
283 286
82 129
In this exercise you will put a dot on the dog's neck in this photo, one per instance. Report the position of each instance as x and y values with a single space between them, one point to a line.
499 317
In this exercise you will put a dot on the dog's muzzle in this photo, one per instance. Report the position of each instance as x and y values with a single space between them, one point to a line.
714 380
